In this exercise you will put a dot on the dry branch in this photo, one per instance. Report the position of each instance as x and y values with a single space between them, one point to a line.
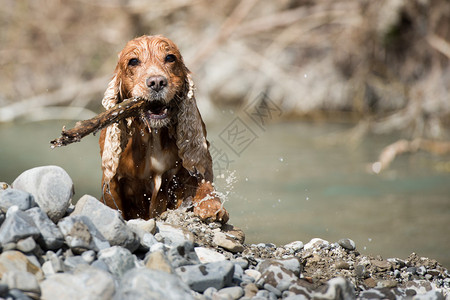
125 109
390 152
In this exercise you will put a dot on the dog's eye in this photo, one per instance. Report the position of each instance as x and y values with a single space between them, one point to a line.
133 62
170 58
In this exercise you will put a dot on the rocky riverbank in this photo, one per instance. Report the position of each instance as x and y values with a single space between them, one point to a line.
51 249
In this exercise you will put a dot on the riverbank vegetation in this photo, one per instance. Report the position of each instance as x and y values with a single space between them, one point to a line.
383 65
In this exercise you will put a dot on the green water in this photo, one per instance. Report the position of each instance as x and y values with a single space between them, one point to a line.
290 182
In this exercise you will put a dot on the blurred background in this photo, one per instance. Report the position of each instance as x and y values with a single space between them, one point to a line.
342 107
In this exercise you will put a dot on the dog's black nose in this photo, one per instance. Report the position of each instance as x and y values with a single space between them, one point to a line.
157 83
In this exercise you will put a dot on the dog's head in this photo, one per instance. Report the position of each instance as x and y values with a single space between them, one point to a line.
151 68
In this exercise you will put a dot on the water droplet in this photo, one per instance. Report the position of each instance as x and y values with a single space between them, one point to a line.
246 178
306 75
369 239
279 200
307 198
281 159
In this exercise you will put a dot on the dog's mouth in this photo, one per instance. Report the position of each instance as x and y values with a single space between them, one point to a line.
157 111
156 114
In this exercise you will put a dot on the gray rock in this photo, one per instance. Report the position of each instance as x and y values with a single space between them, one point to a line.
108 221
145 230
250 290
316 243
183 255
200 277
51 187
119 260
233 293
2 217
174 235
140 227
158 261
228 242
10 197
17 261
3 287
342 265
210 292
347 244
276 275
26 245
263 294
17 225
256 275
272 289
207 255
430 295
53 265
292 264
144 284
50 235
243 262
158 247
71 262
421 270
86 283
48 269
337 288
148 240
23 281
419 286
238 273
88 256
17 294
294 246
361 272
80 234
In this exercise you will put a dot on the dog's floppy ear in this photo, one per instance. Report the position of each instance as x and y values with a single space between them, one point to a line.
191 136
112 94
114 139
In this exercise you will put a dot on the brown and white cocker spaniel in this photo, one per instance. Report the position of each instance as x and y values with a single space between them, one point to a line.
156 160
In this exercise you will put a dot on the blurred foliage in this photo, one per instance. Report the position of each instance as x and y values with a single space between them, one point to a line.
385 62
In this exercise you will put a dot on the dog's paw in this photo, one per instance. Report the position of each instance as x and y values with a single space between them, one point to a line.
211 210
207 206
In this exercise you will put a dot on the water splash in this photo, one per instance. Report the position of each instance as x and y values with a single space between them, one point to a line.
230 179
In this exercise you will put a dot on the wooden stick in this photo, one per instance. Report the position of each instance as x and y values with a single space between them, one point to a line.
127 108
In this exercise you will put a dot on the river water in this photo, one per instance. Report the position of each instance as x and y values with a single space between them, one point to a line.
287 181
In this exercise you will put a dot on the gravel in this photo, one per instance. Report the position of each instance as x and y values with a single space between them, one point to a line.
52 251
